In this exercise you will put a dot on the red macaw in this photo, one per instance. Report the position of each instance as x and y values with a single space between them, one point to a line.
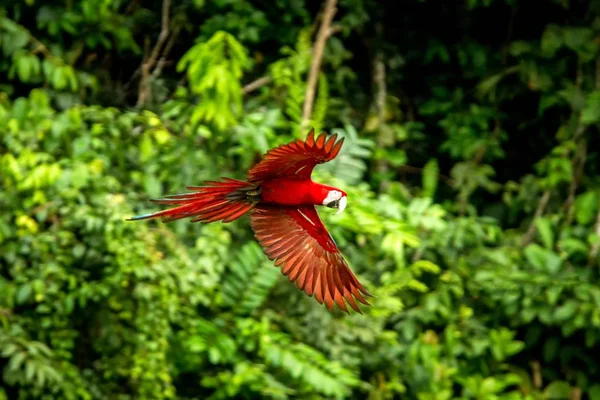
280 197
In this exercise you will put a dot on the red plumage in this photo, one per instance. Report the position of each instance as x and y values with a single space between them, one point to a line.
280 197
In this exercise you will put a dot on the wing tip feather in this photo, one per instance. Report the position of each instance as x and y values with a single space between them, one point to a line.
336 148
329 281
310 138
320 140
140 217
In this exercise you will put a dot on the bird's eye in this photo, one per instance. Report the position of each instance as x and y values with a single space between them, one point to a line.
333 204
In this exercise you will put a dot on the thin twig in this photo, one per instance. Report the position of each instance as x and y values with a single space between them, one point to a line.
536 372
163 58
315 24
538 213
252 86
150 62
40 47
317 57
334 29
163 35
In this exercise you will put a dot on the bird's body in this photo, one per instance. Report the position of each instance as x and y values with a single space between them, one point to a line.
293 192
280 197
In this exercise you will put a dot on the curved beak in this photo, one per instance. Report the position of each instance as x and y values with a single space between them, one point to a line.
339 204
342 204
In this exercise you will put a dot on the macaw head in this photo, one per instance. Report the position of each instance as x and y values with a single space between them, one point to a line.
336 199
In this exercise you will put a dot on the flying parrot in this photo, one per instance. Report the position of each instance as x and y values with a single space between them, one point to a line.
280 198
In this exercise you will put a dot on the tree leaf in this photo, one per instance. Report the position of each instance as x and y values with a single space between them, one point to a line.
566 311
591 110
24 293
552 40
586 206
557 390
543 259
430 177
544 229
594 392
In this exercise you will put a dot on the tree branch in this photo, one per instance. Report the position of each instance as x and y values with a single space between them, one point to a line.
39 46
252 86
167 49
536 372
381 166
150 62
381 94
163 35
538 213
334 29
159 65
317 57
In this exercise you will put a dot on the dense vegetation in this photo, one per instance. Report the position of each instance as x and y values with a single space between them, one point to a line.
472 164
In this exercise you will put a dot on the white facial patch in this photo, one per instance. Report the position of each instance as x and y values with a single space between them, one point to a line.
333 195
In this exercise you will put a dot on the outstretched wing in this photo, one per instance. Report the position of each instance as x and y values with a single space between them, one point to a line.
298 242
296 159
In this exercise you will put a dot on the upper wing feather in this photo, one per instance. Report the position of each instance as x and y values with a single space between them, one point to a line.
298 242
296 159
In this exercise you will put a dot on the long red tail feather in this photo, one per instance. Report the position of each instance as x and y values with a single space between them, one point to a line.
224 201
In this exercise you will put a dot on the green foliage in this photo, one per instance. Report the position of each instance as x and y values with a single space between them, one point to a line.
27 67
249 281
214 69
473 214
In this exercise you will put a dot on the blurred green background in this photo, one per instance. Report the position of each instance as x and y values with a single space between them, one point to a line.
471 163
